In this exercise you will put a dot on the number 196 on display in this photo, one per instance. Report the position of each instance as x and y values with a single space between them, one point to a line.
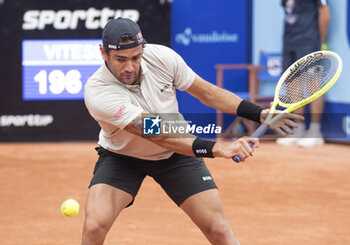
56 81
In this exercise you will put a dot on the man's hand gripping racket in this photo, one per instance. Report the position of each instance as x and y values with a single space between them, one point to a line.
304 81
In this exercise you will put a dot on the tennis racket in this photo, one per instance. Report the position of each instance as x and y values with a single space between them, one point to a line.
304 81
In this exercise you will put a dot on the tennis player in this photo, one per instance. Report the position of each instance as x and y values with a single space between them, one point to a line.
139 78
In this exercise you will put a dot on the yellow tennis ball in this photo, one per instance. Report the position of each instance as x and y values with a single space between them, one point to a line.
324 46
70 207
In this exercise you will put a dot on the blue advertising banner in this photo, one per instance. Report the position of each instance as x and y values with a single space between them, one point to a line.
206 34
336 122
58 69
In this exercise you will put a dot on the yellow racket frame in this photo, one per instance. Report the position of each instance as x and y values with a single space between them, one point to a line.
294 106
291 107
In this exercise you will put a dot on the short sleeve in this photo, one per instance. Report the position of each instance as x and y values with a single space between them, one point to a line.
173 65
184 75
112 106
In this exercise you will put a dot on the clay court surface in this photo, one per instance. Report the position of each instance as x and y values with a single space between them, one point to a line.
280 196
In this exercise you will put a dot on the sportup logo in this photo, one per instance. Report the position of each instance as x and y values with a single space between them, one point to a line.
66 19
187 37
31 120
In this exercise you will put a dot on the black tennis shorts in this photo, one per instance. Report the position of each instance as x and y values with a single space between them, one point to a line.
180 176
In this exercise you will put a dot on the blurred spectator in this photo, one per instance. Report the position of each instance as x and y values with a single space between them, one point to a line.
305 29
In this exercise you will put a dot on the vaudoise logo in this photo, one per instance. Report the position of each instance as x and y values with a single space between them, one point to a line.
188 36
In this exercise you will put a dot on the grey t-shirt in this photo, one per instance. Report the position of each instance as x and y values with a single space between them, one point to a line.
114 105
301 23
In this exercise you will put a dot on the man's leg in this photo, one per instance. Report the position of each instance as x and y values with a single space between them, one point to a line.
205 210
316 108
188 182
104 204
314 135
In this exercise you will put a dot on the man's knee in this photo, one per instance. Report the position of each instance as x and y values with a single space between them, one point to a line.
221 231
95 230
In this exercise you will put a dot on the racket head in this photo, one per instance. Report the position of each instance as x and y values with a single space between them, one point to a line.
307 79
304 81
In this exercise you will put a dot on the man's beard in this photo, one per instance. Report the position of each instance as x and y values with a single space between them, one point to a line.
134 81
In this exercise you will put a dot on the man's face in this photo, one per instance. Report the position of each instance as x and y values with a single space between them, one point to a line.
124 63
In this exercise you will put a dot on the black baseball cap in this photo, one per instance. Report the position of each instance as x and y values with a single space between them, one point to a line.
116 28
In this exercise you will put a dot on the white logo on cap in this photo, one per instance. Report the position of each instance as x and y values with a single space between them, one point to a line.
112 46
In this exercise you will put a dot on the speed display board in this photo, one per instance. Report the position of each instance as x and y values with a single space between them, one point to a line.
49 50
57 69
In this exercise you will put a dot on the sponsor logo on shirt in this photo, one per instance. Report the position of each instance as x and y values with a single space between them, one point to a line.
120 111
166 86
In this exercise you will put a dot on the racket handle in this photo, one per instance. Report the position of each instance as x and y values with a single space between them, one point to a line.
257 134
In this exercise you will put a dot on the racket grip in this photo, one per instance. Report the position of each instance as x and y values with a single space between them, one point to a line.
257 134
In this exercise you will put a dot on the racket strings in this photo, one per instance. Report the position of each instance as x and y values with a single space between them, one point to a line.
308 79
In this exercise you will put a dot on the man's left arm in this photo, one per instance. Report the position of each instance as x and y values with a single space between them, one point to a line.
228 102
214 96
